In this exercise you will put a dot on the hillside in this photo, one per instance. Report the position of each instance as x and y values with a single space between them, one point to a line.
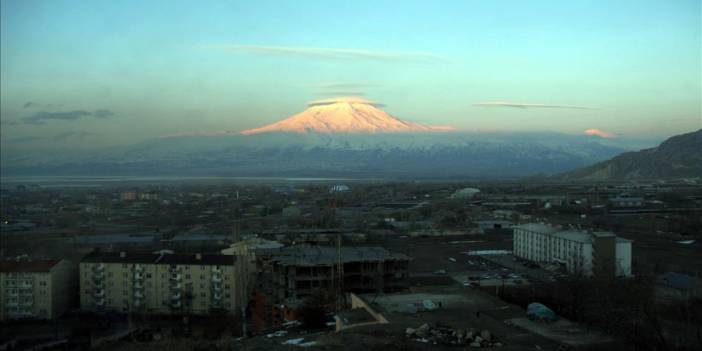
677 157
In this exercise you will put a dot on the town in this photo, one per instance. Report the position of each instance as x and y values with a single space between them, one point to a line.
221 264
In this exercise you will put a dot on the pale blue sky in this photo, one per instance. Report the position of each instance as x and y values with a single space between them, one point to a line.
164 67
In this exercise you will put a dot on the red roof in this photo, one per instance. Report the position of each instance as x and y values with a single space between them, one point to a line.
27 266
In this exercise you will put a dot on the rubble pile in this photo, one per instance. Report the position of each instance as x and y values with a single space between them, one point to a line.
449 336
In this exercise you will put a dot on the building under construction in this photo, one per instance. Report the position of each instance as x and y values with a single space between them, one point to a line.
287 276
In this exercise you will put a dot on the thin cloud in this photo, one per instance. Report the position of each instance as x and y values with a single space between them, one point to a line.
341 93
332 54
25 139
349 99
343 86
9 123
43 117
103 113
600 133
528 105
72 135
685 120
340 89
34 104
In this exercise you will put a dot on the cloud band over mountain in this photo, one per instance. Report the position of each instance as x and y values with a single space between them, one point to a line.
43 117
528 105
332 53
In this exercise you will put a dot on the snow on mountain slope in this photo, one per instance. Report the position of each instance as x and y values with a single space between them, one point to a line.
343 115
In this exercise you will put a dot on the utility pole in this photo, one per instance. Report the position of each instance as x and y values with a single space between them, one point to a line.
340 273
243 285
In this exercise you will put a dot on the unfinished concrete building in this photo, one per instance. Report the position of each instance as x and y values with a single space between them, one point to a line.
287 276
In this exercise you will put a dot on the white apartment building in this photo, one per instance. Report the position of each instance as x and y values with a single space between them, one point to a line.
40 289
581 252
157 283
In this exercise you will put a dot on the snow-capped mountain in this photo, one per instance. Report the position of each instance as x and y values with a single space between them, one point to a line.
378 155
341 137
343 115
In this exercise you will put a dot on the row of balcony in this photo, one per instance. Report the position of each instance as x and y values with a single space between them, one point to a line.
21 292
21 303
99 275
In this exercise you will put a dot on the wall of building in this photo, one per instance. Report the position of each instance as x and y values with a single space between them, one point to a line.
575 249
43 295
543 247
623 258
63 287
157 288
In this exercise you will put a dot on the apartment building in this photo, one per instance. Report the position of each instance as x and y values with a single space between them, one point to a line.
288 275
581 252
160 282
40 289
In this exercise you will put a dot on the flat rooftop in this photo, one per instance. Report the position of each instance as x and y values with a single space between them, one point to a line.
309 256
38 266
151 258
538 227
573 235
569 234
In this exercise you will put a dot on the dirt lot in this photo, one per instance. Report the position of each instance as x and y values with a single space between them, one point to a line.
434 253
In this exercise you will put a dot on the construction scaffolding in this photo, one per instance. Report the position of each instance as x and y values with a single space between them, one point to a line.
287 276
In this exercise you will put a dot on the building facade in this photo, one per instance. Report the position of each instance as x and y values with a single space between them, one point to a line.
36 289
163 283
580 252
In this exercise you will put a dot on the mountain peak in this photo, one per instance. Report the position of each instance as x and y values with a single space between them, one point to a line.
343 115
